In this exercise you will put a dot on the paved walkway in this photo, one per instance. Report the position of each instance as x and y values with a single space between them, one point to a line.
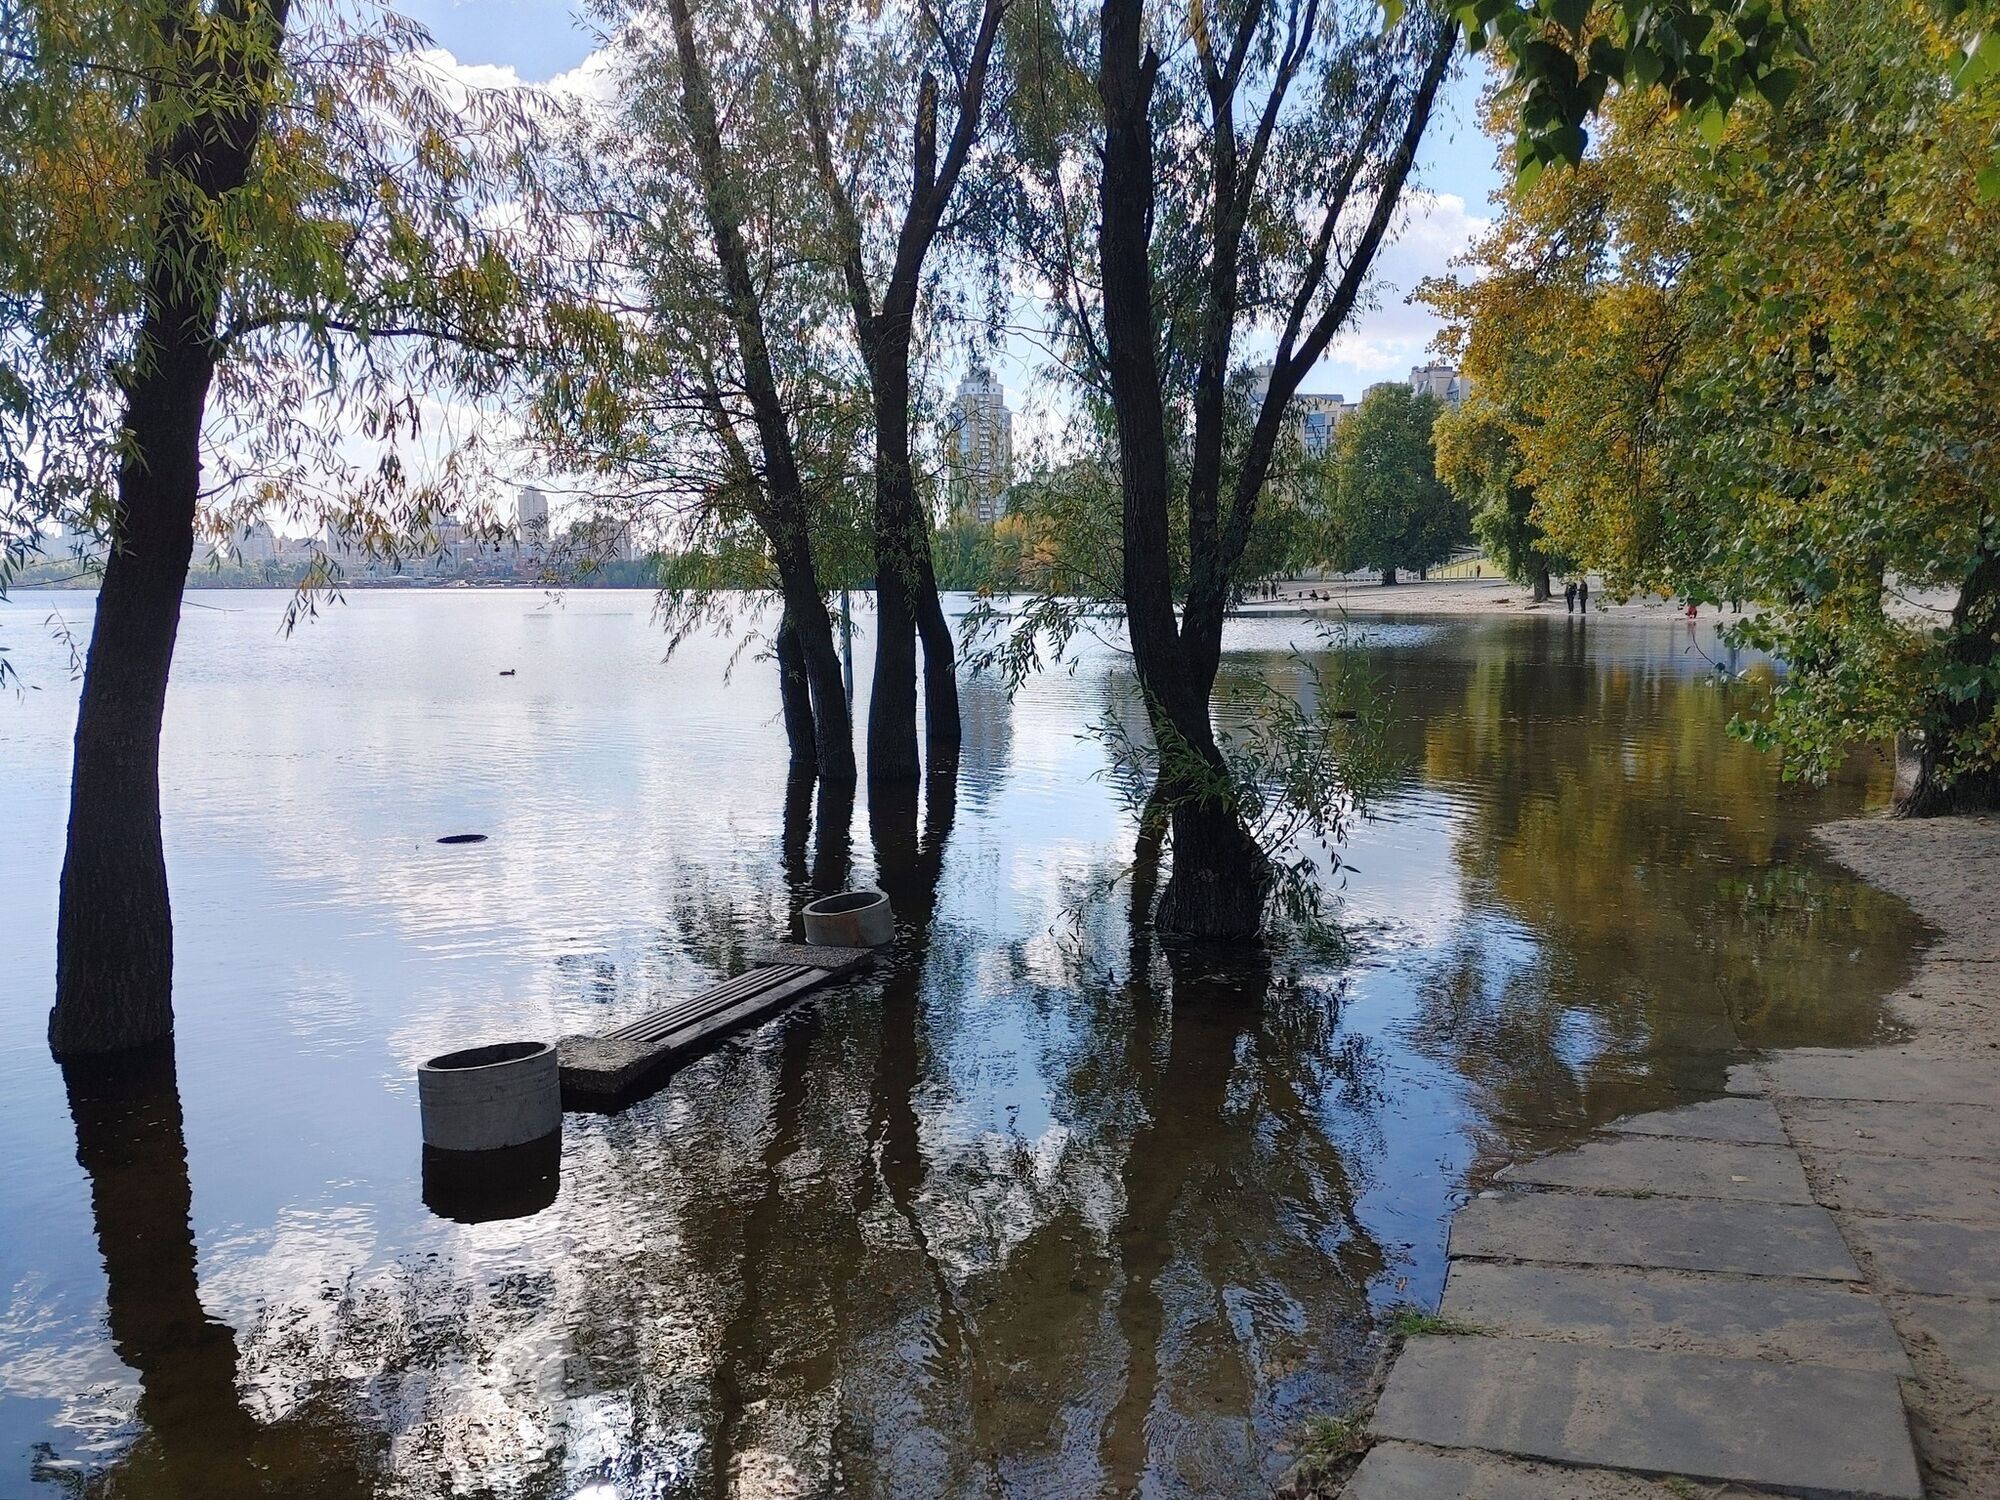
1737 1296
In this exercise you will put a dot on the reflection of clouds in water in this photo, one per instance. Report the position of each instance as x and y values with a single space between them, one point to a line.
1006 1196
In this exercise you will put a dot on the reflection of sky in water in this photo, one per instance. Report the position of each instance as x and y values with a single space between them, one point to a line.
1028 1213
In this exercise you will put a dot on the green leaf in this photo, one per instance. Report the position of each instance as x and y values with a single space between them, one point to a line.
1982 59
1392 13
1778 85
1711 122
1571 14
1989 181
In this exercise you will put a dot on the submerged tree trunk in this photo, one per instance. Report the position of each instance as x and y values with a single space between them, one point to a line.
1943 787
892 701
114 928
795 696
906 596
907 607
1220 876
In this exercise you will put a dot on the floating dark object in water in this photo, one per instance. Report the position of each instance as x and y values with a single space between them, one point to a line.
506 671
852 919
463 838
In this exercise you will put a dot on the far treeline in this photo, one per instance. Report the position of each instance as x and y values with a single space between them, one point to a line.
272 259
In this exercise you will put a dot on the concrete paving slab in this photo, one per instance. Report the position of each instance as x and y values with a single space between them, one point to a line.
1801 1428
1404 1471
1813 1322
1681 1169
1966 1329
1910 1187
1880 1073
1749 1122
1746 1078
1901 1128
1930 1256
1744 1239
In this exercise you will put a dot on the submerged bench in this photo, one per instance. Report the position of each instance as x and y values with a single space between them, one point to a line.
602 1072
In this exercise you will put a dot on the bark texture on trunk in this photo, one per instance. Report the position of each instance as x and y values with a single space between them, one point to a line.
1542 594
795 697
1942 788
114 927
1389 578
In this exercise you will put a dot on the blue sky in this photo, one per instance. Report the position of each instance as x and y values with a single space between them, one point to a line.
539 39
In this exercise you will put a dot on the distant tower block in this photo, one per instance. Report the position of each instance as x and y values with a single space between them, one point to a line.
531 517
1441 381
981 452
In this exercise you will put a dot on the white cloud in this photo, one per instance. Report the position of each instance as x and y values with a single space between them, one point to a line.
1395 333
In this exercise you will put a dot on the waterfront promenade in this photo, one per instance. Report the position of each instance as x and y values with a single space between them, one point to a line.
1792 1290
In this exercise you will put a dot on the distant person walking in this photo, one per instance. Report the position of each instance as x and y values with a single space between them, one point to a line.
1569 598
1583 596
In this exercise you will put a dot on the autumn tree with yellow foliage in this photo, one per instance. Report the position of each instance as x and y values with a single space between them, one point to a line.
1752 358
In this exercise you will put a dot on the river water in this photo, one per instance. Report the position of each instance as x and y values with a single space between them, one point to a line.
1038 1209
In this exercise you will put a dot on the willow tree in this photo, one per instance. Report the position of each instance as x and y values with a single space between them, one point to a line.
728 370
1245 163
866 86
234 237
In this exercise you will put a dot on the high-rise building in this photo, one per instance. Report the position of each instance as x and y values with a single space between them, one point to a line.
1316 414
531 517
254 543
1442 381
981 450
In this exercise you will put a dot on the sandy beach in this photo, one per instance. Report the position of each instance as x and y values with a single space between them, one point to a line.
1450 596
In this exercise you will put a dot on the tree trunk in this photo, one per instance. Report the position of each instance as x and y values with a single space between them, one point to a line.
892 702
114 927
833 725
795 694
944 725
1219 880
1388 577
1542 595
1943 787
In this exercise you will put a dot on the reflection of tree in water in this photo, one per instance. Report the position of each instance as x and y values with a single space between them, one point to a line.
197 1438
1677 912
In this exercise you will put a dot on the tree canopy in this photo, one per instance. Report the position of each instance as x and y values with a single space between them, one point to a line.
1756 364
1388 510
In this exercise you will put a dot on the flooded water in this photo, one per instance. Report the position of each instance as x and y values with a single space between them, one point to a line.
1038 1209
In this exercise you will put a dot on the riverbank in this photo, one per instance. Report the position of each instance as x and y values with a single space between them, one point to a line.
1446 596
1791 1289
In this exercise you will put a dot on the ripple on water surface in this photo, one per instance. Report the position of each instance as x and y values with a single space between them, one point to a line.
1042 1207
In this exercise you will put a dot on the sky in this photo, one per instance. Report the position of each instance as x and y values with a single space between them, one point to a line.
538 40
